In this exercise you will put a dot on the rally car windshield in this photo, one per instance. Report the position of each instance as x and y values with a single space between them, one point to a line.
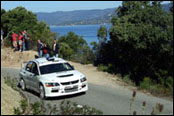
53 68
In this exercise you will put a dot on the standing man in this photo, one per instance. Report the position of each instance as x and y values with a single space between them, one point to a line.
28 42
39 48
26 39
20 42
55 48
14 40
23 41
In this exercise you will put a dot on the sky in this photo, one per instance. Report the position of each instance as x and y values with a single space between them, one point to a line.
52 6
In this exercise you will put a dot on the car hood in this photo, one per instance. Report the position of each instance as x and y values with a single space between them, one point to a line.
64 76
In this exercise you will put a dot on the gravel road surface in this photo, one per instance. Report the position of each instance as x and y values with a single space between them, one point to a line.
111 100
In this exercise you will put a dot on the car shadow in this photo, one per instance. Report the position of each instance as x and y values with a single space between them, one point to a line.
66 97
54 98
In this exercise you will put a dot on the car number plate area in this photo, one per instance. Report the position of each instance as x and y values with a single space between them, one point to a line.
71 88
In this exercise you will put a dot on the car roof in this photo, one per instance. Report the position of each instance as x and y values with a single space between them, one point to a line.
44 61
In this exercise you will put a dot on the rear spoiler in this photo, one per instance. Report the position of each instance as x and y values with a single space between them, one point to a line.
23 64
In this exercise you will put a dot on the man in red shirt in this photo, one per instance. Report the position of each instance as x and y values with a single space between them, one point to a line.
14 40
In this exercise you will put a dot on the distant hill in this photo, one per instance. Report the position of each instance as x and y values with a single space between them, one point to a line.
76 17
80 17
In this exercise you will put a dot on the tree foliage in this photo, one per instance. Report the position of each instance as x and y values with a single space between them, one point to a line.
141 41
19 19
74 47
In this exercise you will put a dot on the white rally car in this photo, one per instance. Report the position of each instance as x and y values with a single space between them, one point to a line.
52 77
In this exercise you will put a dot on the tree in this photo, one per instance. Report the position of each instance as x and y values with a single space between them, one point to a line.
65 51
102 37
73 40
141 40
74 47
2 12
102 34
171 9
19 19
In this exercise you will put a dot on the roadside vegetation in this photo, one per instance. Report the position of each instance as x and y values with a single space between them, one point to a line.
140 48
65 108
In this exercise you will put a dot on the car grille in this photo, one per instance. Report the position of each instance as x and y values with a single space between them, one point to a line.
70 83
71 89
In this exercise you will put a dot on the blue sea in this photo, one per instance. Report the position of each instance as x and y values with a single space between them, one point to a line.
88 32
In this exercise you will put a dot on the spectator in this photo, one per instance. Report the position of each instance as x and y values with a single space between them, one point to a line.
39 48
20 42
23 41
45 50
55 48
28 43
26 39
14 40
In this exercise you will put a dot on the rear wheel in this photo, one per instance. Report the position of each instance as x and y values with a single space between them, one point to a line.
23 86
42 92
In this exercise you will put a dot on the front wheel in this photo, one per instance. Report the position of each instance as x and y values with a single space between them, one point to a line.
42 92
23 86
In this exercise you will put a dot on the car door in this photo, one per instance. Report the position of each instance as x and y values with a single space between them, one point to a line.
27 73
34 77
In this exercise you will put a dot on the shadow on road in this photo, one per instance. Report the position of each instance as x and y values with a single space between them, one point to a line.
56 98
66 97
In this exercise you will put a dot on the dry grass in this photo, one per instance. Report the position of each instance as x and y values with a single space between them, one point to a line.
9 99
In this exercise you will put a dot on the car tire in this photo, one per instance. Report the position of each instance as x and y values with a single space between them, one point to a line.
23 85
42 92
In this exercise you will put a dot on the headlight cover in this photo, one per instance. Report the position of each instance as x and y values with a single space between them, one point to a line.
52 84
83 79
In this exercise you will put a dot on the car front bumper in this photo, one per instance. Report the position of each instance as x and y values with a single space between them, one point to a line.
66 90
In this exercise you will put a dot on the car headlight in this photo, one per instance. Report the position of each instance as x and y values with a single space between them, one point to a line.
51 84
83 79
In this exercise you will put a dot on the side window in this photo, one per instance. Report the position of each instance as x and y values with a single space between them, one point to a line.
29 66
34 68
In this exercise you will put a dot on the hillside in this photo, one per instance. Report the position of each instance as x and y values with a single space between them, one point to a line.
9 99
76 17
81 17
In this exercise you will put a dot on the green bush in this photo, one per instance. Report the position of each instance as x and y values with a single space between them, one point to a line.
66 108
165 88
146 83
102 67
70 108
84 56
11 82
169 84
106 68
128 80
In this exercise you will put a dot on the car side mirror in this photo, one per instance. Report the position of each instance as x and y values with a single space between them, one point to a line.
73 67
